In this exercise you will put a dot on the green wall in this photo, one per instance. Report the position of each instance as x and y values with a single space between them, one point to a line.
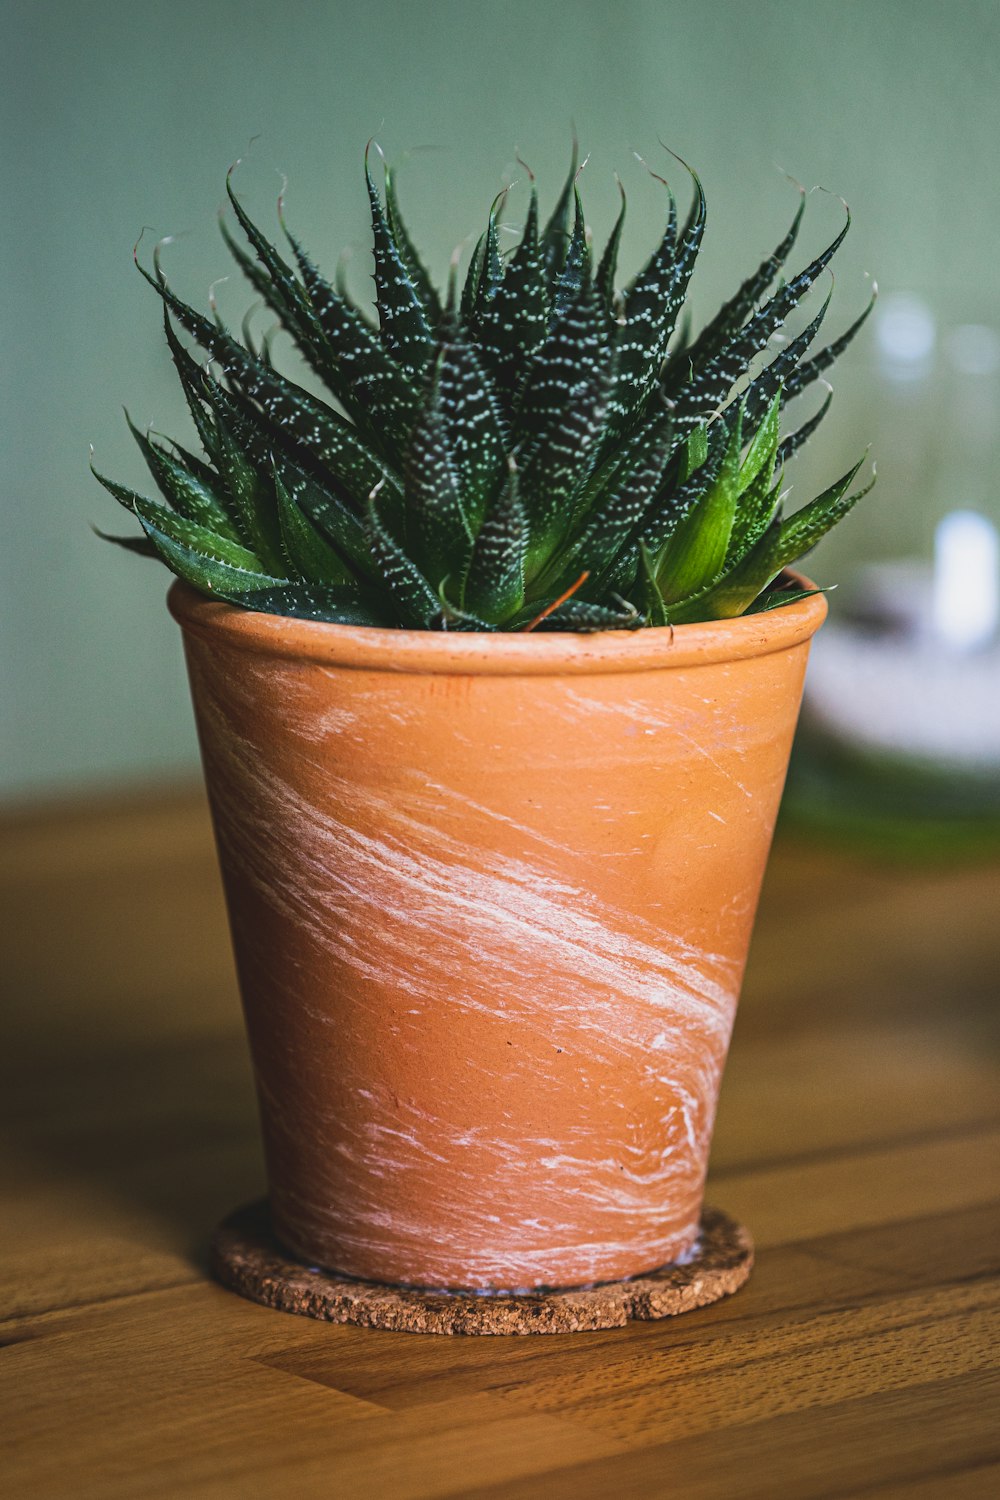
119 115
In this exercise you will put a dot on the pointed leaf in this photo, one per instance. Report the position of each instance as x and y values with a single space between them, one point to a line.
794 441
494 585
801 531
755 511
308 556
607 269
335 442
813 368
424 287
576 268
329 603
760 454
511 326
342 527
491 268
621 512
555 235
736 590
188 533
416 603
373 388
734 313
404 328
182 489
697 549
473 427
138 544
771 379
251 498
220 580
777 597
470 289
574 355
558 467
652 305
708 387
436 519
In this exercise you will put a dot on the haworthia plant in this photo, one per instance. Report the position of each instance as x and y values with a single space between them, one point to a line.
538 450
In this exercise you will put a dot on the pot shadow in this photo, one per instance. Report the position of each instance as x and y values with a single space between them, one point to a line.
142 1137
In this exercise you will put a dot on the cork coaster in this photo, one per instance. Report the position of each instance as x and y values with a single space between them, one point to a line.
247 1258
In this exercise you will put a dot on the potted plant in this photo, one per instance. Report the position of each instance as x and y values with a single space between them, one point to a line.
496 665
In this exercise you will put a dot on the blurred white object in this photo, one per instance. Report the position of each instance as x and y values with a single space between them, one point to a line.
906 334
918 676
965 602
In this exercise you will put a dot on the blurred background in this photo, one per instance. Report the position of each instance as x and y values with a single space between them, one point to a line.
124 115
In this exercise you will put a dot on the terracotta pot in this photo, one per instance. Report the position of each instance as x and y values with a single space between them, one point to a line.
491 898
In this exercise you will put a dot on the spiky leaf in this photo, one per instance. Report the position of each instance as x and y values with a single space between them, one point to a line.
494 585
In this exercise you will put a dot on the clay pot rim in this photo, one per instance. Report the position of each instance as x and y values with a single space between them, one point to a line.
376 648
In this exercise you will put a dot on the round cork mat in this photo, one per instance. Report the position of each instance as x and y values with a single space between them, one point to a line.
247 1258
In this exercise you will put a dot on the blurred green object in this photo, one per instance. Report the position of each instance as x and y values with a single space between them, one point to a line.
897 808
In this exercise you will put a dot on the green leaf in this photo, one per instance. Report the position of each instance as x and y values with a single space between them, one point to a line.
697 548
424 287
209 575
490 277
801 531
138 544
777 597
510 329
606 271
275 281
574 356
559 465
813 368
189 534
760 454
341 526
473 426
652 305
671 505
436 520
794 441
734 313
709 386
335 442
190 378
494 585
416 603
251 499
555 235
754 513
403 322
735 591
373 388
182 489
616 520
470 289
328 603
695 452
765 385
653 601
309 557
575 272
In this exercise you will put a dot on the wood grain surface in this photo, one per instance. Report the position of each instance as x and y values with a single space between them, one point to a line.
858 1138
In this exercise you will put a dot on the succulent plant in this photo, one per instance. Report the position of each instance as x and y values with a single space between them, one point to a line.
536 450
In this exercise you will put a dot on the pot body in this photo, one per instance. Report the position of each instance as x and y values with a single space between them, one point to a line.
491 900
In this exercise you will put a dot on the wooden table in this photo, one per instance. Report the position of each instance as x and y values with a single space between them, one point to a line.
858 1137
